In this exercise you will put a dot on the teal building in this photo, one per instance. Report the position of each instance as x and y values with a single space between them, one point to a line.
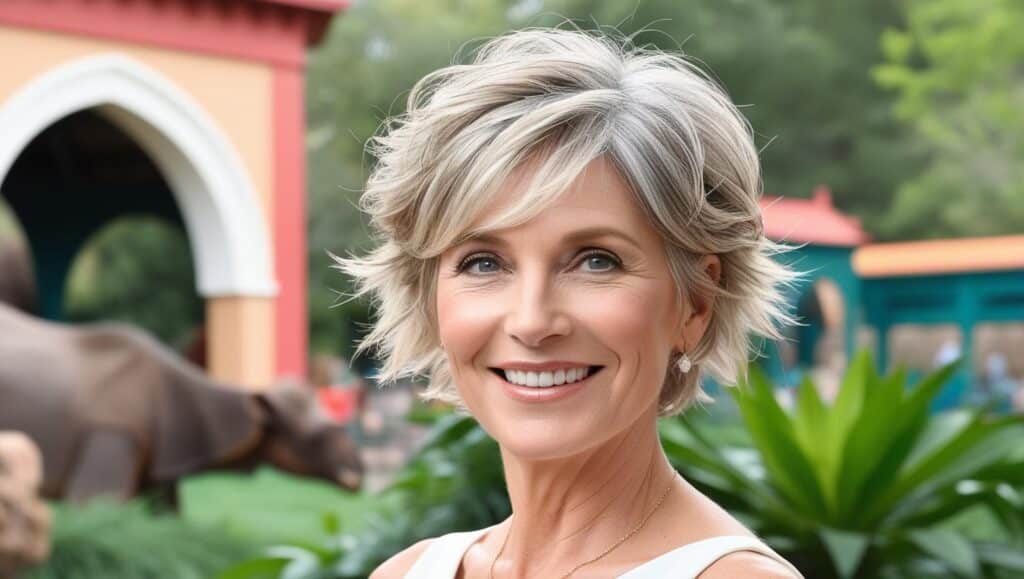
856 292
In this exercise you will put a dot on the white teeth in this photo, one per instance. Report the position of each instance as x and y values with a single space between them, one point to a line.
545 379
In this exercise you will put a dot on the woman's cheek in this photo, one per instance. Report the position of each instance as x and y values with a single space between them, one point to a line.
626 315
464 320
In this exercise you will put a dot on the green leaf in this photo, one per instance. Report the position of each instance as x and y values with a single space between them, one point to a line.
331 522
772 433
979 446
847 405
940 431
880 427
907 422
1005 557
261 568
810 424
846 549
949 547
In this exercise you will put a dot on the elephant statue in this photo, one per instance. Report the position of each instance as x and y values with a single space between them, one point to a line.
115 412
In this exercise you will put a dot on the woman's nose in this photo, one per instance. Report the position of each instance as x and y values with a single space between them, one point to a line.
535 312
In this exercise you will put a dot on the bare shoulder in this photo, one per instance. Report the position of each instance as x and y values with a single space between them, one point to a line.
399 564
747 564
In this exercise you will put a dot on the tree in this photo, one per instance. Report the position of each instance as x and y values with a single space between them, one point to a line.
957 68
137 269
801 72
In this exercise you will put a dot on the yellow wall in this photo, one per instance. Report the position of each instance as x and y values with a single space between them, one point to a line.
238 332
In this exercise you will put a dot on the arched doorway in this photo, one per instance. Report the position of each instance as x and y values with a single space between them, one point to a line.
212 195
73 178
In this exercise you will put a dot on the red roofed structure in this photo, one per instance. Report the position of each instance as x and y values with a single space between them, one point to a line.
813 220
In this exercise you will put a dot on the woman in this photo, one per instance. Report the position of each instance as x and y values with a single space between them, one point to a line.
570 236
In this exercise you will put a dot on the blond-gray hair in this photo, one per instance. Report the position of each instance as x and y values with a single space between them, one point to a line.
560 99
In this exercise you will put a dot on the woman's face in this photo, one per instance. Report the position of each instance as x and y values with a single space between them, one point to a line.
584 284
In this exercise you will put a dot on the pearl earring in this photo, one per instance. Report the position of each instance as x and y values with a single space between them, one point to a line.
684 364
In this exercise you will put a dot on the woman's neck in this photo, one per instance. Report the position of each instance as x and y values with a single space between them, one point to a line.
569 510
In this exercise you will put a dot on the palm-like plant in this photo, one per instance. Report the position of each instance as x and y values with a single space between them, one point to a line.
865 486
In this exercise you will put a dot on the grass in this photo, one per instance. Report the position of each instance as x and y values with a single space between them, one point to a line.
271 507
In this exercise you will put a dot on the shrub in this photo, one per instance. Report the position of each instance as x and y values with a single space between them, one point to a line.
868 486
113 541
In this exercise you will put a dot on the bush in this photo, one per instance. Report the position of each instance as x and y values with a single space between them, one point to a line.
871 485
454 483
130 541
268 506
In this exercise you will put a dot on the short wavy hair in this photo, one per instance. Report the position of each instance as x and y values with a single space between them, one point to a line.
559 99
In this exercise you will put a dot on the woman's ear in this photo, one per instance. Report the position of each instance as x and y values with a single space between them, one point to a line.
699 307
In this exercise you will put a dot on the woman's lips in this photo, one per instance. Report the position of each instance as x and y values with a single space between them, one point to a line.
543 394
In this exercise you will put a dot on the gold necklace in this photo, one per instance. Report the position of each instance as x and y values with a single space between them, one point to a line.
647 517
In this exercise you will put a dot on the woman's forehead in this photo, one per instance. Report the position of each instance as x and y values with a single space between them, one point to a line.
597 198
599 190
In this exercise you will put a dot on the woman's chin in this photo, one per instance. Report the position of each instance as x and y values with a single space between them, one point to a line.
548 438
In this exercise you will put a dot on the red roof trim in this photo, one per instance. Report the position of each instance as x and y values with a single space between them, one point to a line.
815 221
275 32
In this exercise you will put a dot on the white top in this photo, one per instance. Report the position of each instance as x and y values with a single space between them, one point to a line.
442 558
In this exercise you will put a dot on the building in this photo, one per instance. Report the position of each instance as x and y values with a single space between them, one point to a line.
191 110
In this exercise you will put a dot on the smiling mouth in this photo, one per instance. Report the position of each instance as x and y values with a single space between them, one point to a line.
551 378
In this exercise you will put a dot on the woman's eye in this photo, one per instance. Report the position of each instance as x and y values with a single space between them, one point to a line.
487 265
600 262
594 262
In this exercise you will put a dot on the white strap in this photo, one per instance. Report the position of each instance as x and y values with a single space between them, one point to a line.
442 558
689 561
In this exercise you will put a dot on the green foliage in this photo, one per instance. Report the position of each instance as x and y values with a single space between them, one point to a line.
137 270
956 70
800 70
9 226
269 506
111 541
869 485
454 483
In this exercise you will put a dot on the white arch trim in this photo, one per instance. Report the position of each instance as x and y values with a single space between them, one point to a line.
218 201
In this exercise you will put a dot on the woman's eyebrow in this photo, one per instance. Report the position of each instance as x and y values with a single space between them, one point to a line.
601 231
575 236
